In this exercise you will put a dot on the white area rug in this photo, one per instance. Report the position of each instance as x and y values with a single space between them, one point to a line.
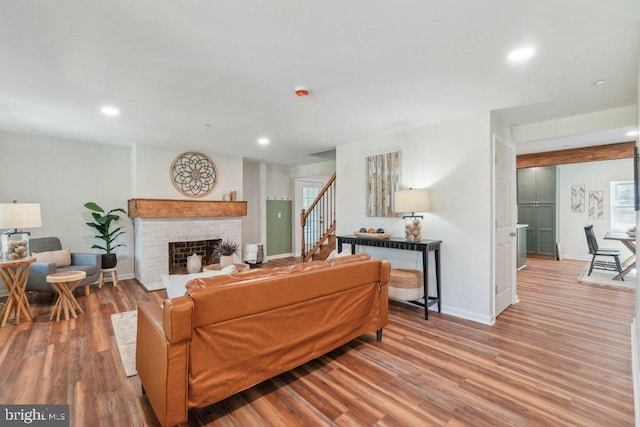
605 278
125 327
153 286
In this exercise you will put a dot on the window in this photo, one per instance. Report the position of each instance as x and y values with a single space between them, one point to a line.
623 216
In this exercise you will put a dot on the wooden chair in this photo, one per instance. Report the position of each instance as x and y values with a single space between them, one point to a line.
596 251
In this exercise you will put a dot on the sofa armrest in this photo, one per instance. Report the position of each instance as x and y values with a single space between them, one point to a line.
85 259
161 364
38 272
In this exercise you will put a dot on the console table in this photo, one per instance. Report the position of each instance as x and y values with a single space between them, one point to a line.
424 246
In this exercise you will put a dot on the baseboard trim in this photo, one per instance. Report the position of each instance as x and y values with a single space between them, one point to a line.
279 256
487 320
635 373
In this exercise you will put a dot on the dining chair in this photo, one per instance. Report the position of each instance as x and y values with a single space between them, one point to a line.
596 251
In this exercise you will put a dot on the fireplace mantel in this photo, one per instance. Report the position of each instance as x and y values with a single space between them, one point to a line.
172 208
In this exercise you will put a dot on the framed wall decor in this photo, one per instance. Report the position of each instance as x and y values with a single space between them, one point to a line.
596 205
383 180
193 174
577 198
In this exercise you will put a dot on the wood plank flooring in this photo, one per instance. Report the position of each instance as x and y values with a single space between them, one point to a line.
561 356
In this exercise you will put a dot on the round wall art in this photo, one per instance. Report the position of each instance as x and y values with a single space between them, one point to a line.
194 174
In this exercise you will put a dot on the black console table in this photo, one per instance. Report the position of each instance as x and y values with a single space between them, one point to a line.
424 246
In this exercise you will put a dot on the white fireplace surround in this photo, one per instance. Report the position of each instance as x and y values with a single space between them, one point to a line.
152 237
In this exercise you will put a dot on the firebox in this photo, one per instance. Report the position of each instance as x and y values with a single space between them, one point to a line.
179 251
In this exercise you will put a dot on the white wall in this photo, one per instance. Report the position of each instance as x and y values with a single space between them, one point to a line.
452 159
151 166
279 183
63 175
251 192
596 176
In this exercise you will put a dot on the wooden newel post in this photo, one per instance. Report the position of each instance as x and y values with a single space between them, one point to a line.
303 223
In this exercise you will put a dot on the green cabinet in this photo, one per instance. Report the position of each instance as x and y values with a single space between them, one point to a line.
537 208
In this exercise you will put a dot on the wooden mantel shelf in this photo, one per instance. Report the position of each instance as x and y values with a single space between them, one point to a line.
171 208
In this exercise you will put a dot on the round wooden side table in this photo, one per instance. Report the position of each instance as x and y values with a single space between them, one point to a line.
240 267
14 275
64 283
114 276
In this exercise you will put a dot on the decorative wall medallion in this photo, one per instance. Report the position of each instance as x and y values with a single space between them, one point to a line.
194 174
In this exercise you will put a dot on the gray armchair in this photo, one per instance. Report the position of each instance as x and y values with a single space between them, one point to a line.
87 262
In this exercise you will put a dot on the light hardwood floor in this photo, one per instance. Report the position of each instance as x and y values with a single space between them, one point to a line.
560 357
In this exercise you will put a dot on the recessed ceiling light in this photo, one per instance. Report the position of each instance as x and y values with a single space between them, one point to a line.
632 133
108 110
521 54
263 141
598 82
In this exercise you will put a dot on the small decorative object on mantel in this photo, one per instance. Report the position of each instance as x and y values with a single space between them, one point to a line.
194 174
102 225
226 249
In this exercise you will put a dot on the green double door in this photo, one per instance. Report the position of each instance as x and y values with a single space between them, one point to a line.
279 227
537 208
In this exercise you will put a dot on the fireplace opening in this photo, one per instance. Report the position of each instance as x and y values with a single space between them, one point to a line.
179 251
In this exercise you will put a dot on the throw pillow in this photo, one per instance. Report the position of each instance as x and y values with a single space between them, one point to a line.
334 254
62 258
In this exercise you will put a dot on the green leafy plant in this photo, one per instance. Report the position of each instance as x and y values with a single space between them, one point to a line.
226 248
103 224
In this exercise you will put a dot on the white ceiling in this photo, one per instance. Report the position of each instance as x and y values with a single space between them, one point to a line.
373 67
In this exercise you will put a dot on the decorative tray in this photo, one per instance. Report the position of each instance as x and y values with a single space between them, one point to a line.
379 236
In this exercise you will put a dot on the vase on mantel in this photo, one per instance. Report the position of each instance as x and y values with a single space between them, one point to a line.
194 263
226 260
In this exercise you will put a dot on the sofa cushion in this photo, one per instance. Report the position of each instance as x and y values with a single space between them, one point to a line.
303 266
200 283
62 258
349 259
89 269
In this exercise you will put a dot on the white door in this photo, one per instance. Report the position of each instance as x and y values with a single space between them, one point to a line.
505 214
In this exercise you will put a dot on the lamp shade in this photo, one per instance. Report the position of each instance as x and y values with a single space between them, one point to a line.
412 201
20 215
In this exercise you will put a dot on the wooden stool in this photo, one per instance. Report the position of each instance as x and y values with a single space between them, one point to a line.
64 283
114 276
405 285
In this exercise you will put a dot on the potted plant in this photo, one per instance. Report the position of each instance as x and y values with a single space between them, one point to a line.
226 249
103 223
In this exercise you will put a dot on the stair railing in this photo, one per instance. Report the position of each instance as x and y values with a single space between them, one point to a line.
318 222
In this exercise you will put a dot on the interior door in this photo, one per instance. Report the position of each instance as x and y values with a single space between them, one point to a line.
279 227
505 233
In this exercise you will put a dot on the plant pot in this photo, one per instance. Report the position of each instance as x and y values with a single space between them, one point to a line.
226 260
109 261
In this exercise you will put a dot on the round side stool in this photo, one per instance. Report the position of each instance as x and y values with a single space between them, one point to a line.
405 285
114 276
64 283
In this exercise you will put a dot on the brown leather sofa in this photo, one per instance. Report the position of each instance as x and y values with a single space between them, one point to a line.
229 333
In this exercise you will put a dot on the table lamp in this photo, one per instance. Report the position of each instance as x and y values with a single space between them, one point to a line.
14 243
412 201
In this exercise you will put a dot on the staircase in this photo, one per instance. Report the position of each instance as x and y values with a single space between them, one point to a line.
318 224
